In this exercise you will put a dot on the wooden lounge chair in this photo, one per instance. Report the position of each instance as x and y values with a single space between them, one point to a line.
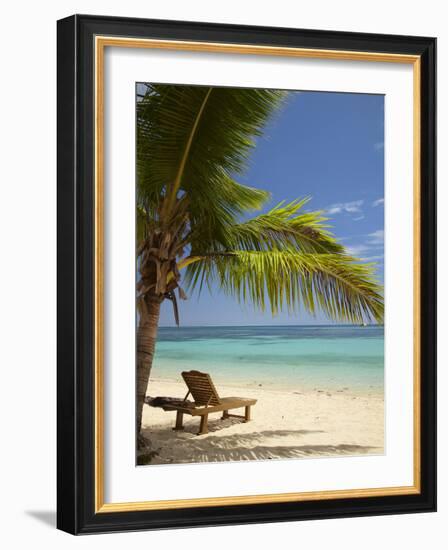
207 401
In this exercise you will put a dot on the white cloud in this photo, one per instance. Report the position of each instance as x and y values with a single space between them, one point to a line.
350 207
378 202
358 218
373 245
357 249
377 237
378 145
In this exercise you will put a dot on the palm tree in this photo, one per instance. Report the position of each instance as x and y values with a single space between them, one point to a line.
192 219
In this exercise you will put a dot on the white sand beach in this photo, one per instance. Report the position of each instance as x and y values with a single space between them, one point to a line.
286 423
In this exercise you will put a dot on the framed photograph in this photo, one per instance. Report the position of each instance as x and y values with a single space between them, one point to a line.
246 274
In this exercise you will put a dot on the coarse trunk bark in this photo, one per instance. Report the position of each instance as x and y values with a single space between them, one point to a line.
146 341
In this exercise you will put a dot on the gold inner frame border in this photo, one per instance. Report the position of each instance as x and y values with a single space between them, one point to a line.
101 42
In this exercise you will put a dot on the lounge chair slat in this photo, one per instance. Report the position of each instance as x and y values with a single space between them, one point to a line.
201 388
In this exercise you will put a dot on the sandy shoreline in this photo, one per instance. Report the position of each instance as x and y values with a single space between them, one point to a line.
288 422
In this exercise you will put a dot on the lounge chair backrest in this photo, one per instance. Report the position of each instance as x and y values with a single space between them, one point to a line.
201 388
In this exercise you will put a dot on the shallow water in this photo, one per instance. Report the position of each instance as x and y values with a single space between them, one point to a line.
310 357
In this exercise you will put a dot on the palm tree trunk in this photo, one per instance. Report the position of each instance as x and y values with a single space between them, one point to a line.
146 341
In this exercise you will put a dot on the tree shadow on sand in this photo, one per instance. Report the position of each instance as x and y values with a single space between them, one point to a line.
191 427
247 446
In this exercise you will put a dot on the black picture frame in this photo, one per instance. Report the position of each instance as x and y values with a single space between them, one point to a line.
76 255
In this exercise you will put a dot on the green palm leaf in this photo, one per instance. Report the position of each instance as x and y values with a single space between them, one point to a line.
336 283
285 225
190 138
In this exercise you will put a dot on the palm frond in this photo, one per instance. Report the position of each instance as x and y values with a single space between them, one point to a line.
190 137
336 283
284 226
221 205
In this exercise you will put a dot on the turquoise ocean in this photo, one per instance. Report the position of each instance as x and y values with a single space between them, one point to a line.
309 357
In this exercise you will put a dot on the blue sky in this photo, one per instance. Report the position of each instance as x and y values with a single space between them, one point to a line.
329 146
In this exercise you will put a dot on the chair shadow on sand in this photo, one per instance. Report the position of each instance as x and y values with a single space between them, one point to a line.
244 446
